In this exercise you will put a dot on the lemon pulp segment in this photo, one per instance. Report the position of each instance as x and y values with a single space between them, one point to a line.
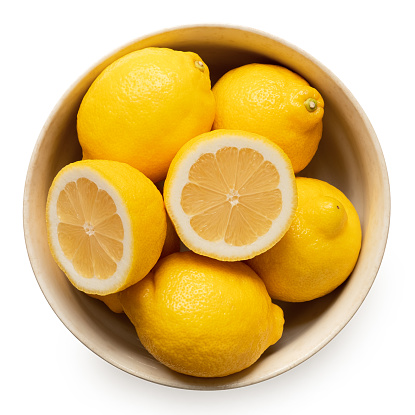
90 232
232 195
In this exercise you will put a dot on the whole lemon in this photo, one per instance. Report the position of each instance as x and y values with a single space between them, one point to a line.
275 102
203 317
320 249
144 106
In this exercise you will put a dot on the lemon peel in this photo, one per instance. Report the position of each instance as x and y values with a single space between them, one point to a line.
203 317
320 249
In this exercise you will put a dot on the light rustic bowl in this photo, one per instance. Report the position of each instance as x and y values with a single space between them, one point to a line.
349 157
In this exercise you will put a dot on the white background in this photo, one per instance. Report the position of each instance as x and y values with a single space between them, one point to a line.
368 367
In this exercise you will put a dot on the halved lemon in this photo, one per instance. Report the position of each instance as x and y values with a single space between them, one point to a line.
230 194
106 225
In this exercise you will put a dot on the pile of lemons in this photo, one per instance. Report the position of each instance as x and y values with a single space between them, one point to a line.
186 213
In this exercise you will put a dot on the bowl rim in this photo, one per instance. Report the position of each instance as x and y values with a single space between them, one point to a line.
379 156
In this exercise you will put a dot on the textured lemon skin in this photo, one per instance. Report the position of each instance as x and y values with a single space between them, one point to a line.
269 100
172 175
143 107
203 317
320 249
146 212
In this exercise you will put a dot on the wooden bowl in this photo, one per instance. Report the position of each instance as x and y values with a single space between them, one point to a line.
349 157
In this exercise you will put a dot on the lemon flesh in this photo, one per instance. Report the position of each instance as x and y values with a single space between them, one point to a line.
106 225
230 194
223 193
90 231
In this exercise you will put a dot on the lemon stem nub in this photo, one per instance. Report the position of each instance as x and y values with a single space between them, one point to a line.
311 104
200 65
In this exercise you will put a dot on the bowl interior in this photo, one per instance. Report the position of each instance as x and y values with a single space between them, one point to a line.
349 157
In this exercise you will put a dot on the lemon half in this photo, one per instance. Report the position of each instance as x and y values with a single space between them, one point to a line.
230 194
106 225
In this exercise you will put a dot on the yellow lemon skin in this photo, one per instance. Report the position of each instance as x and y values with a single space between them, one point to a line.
320 249
275 102
146 230
203 317
111 301
143 107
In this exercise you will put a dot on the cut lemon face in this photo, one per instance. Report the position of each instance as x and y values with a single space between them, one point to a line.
106 225
231 195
